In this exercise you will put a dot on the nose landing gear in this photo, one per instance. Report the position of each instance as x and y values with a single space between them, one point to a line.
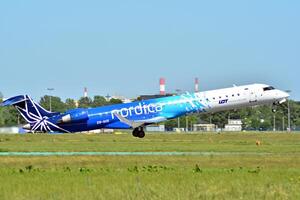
274 107
138 132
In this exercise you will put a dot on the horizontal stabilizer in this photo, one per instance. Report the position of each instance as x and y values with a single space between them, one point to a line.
14 100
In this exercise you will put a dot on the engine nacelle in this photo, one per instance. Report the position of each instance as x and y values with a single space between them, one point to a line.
77 115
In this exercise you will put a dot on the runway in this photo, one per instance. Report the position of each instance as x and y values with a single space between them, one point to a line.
132 153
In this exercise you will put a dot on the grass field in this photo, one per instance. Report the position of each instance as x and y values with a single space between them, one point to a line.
236 169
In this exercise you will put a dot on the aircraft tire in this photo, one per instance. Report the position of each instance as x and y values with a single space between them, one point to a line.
141 134
135 132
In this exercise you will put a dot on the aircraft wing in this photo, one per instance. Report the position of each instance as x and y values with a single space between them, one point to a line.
138 123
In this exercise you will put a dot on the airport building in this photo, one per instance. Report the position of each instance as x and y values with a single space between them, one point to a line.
155 128
233 125
204 127
122 98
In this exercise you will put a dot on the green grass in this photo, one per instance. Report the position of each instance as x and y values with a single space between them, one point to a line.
232 142
229 176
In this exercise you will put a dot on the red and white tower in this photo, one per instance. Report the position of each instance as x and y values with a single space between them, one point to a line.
85 93
196 85
162 86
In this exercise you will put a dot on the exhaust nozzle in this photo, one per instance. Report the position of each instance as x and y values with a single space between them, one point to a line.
27 127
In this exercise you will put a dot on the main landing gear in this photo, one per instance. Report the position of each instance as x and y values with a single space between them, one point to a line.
138 132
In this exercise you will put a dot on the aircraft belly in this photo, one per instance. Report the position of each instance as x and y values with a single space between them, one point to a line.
117 125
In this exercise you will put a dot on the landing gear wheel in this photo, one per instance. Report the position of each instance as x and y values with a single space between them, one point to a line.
135 132
141 134
138 132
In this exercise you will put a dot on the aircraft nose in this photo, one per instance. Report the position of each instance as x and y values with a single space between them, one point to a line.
283 94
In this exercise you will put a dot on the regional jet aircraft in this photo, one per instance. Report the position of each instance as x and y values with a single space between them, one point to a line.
137 115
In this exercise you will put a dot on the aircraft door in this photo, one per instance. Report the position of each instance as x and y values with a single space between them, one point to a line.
252 96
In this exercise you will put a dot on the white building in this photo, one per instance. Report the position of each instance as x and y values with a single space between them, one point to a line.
204 127
10 130
179 130
122 98
233 125
155 128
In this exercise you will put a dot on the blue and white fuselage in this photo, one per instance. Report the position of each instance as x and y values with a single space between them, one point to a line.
137 115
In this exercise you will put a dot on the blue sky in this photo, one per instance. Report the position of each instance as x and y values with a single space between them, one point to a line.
123 47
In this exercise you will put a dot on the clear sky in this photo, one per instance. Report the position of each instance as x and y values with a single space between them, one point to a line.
123 47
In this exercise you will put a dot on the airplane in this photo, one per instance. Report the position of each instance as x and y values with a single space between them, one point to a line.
137 115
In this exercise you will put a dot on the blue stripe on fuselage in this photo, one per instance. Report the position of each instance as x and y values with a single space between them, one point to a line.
167 107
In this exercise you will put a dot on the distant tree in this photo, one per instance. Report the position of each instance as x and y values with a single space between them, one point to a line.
173 123
99 101
170 124
9 116
70 104
115 101
85 102
219 118
295 113
56 103
193 119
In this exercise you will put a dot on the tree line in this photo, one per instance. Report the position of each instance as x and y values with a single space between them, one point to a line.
255 118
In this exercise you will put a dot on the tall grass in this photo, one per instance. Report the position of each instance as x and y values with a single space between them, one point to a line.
144 182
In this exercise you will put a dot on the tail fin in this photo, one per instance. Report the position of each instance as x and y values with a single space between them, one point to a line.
30 111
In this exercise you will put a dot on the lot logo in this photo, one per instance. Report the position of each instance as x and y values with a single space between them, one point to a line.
223 101
140 109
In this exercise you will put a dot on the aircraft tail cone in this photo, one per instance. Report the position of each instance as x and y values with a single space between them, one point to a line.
27 127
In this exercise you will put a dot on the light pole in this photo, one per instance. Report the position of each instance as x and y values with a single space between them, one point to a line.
289 113
186 124
178 91
274 122
283 124
50 89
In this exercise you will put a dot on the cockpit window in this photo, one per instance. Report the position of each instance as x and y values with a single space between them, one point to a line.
268 88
